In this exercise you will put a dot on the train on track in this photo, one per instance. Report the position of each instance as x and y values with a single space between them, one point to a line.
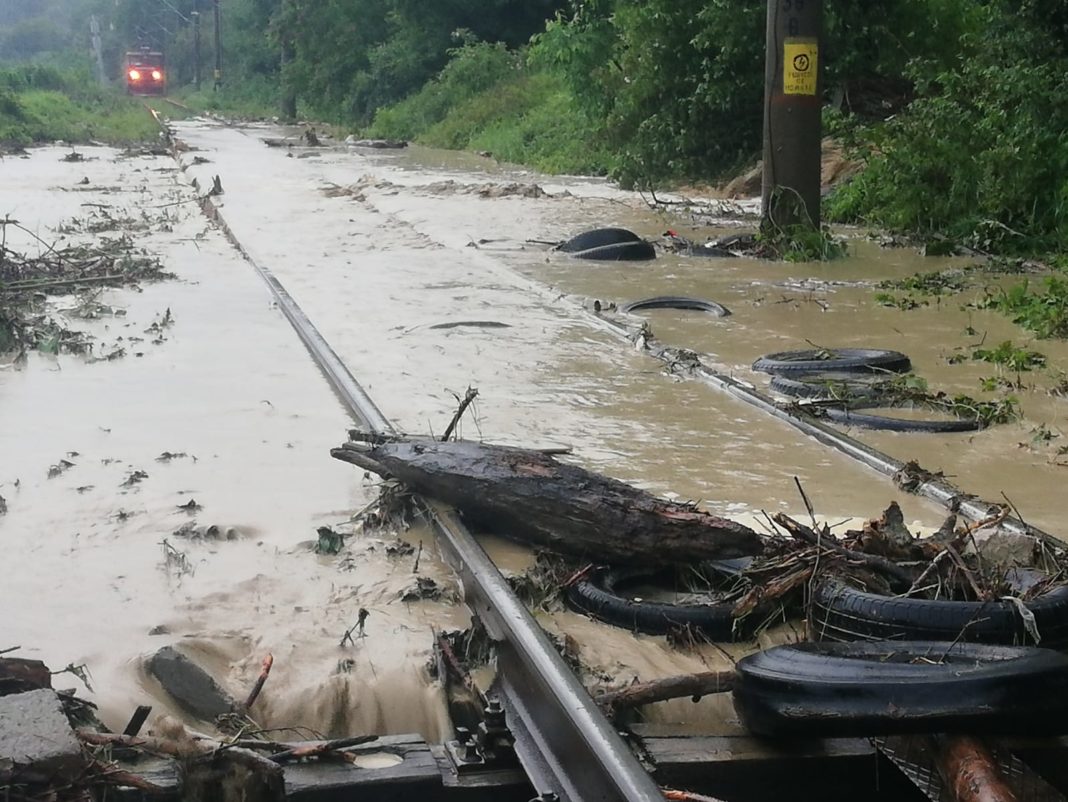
145 72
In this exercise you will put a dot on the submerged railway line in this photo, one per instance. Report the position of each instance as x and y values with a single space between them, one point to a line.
537 709
540 733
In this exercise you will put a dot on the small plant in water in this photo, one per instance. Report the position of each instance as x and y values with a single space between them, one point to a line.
1045 313
1008 356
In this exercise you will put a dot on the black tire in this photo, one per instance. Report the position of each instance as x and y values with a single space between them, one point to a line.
831 386
640 251
851 417
852 360
840 612
677 302
864 689
596 596
598 238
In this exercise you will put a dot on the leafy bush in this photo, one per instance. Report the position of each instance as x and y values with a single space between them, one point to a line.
981 155
474 68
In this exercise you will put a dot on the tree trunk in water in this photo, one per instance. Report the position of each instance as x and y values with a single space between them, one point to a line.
529 496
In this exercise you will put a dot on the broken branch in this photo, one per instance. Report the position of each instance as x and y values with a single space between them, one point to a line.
692 685
265 672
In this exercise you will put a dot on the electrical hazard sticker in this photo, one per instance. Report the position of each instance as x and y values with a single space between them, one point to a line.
800 61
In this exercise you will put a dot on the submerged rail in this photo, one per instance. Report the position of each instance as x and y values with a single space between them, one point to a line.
914 480
565 744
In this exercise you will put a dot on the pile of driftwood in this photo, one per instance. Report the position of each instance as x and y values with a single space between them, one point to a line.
26 280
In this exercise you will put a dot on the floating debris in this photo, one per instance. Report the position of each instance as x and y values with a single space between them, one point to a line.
330 542
134 478
60 467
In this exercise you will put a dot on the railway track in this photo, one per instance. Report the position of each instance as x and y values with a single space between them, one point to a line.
568 749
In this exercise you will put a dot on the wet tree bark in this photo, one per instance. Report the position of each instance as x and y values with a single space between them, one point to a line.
969 771
18 675
529 496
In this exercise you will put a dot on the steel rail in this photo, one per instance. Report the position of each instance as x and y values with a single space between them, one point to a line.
928 485
562 739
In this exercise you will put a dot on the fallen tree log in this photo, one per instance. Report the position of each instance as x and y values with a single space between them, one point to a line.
528 496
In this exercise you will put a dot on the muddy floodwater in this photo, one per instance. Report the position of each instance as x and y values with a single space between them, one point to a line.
393 255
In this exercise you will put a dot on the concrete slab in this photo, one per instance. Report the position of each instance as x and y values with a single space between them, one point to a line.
34 732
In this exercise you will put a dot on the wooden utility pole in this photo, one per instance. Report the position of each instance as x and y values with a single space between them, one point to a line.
289 93
792 107
98 55
196 43
218 47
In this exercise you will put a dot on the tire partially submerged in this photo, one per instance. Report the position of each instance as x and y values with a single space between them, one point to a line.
609 244
863 689
816 360
677 302
598 596
840 612
853 415
832 385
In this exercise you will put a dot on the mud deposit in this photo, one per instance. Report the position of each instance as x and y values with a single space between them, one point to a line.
391 254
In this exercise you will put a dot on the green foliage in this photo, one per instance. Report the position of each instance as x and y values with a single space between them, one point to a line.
679 83
474 69
486 99
981 154
1009 356
800 243
919 288
1043 312
908 389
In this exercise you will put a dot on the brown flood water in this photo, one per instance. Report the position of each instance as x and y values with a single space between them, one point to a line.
378 248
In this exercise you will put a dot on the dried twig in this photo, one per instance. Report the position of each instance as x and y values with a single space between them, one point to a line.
692 685
319 749
469 396
808 504
803 533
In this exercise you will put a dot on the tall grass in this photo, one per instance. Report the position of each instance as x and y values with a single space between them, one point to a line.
40 103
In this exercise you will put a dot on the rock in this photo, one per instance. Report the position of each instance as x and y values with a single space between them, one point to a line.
195 691
18 675
35 733
1005 549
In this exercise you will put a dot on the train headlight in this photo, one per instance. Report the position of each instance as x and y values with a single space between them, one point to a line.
135 75
157 75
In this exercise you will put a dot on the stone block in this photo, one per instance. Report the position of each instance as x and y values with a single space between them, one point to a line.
35 733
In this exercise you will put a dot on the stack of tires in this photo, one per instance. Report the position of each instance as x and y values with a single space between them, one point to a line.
848 381
892 664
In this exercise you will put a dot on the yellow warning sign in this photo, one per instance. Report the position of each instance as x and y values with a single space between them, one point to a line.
800 61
